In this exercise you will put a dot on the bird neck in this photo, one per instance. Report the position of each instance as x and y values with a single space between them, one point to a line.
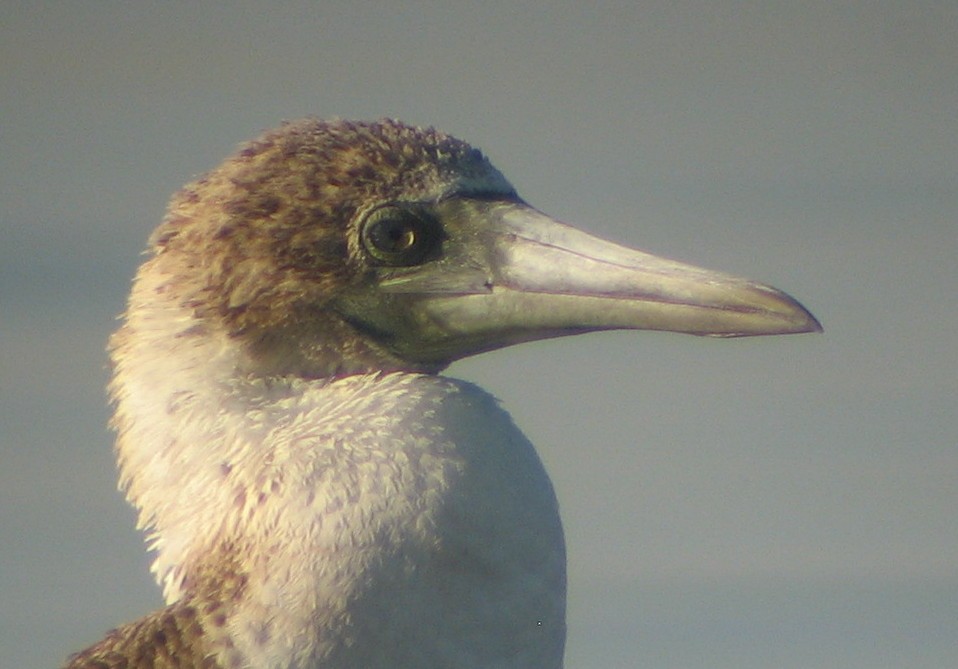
367 518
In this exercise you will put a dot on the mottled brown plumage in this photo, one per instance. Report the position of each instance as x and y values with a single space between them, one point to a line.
172 638
261 244
188 634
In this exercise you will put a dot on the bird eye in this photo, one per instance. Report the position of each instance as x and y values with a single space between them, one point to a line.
399 236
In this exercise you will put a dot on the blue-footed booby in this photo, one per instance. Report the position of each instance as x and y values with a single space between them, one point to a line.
316 495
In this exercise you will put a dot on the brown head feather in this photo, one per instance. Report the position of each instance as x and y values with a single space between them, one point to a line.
259 245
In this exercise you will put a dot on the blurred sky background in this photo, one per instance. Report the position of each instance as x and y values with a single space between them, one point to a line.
779 503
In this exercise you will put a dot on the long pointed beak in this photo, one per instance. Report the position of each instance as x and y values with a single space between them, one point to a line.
538 278
611 286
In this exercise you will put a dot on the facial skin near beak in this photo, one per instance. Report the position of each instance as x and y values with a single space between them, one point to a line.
512 274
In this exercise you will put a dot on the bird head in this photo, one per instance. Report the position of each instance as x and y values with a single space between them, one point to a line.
325 248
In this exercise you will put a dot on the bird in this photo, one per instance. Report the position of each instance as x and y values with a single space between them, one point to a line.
315 493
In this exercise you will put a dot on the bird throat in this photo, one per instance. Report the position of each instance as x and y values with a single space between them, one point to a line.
368 517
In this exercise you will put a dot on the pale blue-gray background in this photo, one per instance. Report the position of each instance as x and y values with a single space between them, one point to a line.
766 503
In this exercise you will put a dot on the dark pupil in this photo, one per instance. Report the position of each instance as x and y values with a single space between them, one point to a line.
394 235
398 237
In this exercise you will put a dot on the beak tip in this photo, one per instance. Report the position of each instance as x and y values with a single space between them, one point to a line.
803 319
787 315
781 315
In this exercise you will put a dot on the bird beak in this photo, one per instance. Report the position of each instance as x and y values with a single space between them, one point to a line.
538 278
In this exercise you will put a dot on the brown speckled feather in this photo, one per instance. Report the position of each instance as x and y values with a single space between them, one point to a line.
172 638
188 634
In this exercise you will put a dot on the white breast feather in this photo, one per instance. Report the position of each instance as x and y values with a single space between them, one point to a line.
402 508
